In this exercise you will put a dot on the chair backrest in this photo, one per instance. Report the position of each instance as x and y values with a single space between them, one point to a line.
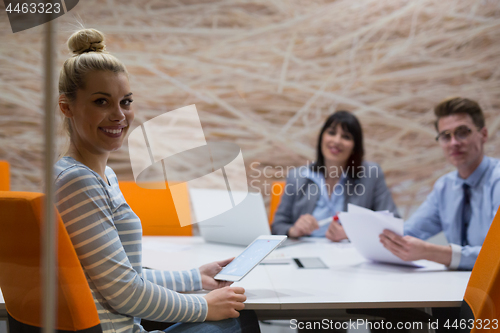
4 176
276 193
156 209
482 296
20 269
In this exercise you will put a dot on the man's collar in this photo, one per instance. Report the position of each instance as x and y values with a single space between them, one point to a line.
476 176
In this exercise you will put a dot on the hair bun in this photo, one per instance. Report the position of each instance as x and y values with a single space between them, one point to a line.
86 40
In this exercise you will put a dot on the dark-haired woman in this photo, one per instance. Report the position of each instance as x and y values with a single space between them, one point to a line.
339 176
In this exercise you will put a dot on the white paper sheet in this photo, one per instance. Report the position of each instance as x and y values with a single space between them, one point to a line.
363 227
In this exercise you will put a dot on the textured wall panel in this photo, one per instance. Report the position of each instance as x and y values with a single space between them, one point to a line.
265 74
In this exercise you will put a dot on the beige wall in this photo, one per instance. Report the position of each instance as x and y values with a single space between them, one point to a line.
265 74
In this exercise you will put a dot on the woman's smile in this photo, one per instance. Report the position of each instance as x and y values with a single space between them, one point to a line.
113 131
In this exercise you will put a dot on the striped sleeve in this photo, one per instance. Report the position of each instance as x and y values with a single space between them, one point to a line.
85 207
175 280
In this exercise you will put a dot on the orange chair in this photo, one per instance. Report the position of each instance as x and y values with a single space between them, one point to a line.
20 271
155 208
482 296
276 193
4 176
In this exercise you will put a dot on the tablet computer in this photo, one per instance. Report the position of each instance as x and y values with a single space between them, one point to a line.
249 258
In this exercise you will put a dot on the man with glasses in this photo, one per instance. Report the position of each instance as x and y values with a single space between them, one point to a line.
462 203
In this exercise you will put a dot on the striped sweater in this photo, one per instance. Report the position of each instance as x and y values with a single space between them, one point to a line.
107 237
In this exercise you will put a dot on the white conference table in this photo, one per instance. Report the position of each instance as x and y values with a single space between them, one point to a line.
278 291
350 281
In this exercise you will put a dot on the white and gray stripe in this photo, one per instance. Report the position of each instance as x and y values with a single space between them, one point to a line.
107 235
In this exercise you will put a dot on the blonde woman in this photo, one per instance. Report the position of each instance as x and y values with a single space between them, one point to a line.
96 101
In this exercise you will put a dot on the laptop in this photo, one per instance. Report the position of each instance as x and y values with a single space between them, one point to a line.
224 222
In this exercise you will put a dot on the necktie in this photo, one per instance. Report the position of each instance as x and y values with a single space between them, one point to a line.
466 213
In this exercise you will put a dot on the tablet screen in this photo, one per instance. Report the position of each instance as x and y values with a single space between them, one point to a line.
250 257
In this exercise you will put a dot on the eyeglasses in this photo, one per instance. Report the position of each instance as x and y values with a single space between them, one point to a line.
460 133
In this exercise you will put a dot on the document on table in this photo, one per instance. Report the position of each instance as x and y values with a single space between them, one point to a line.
363 227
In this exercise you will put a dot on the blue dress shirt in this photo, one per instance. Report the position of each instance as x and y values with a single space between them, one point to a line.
442 210
326 206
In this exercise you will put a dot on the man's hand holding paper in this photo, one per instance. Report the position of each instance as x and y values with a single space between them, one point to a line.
410 248
363 227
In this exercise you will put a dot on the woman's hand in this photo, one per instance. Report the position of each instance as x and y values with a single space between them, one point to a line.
208 272
335 232
225 303
303 226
